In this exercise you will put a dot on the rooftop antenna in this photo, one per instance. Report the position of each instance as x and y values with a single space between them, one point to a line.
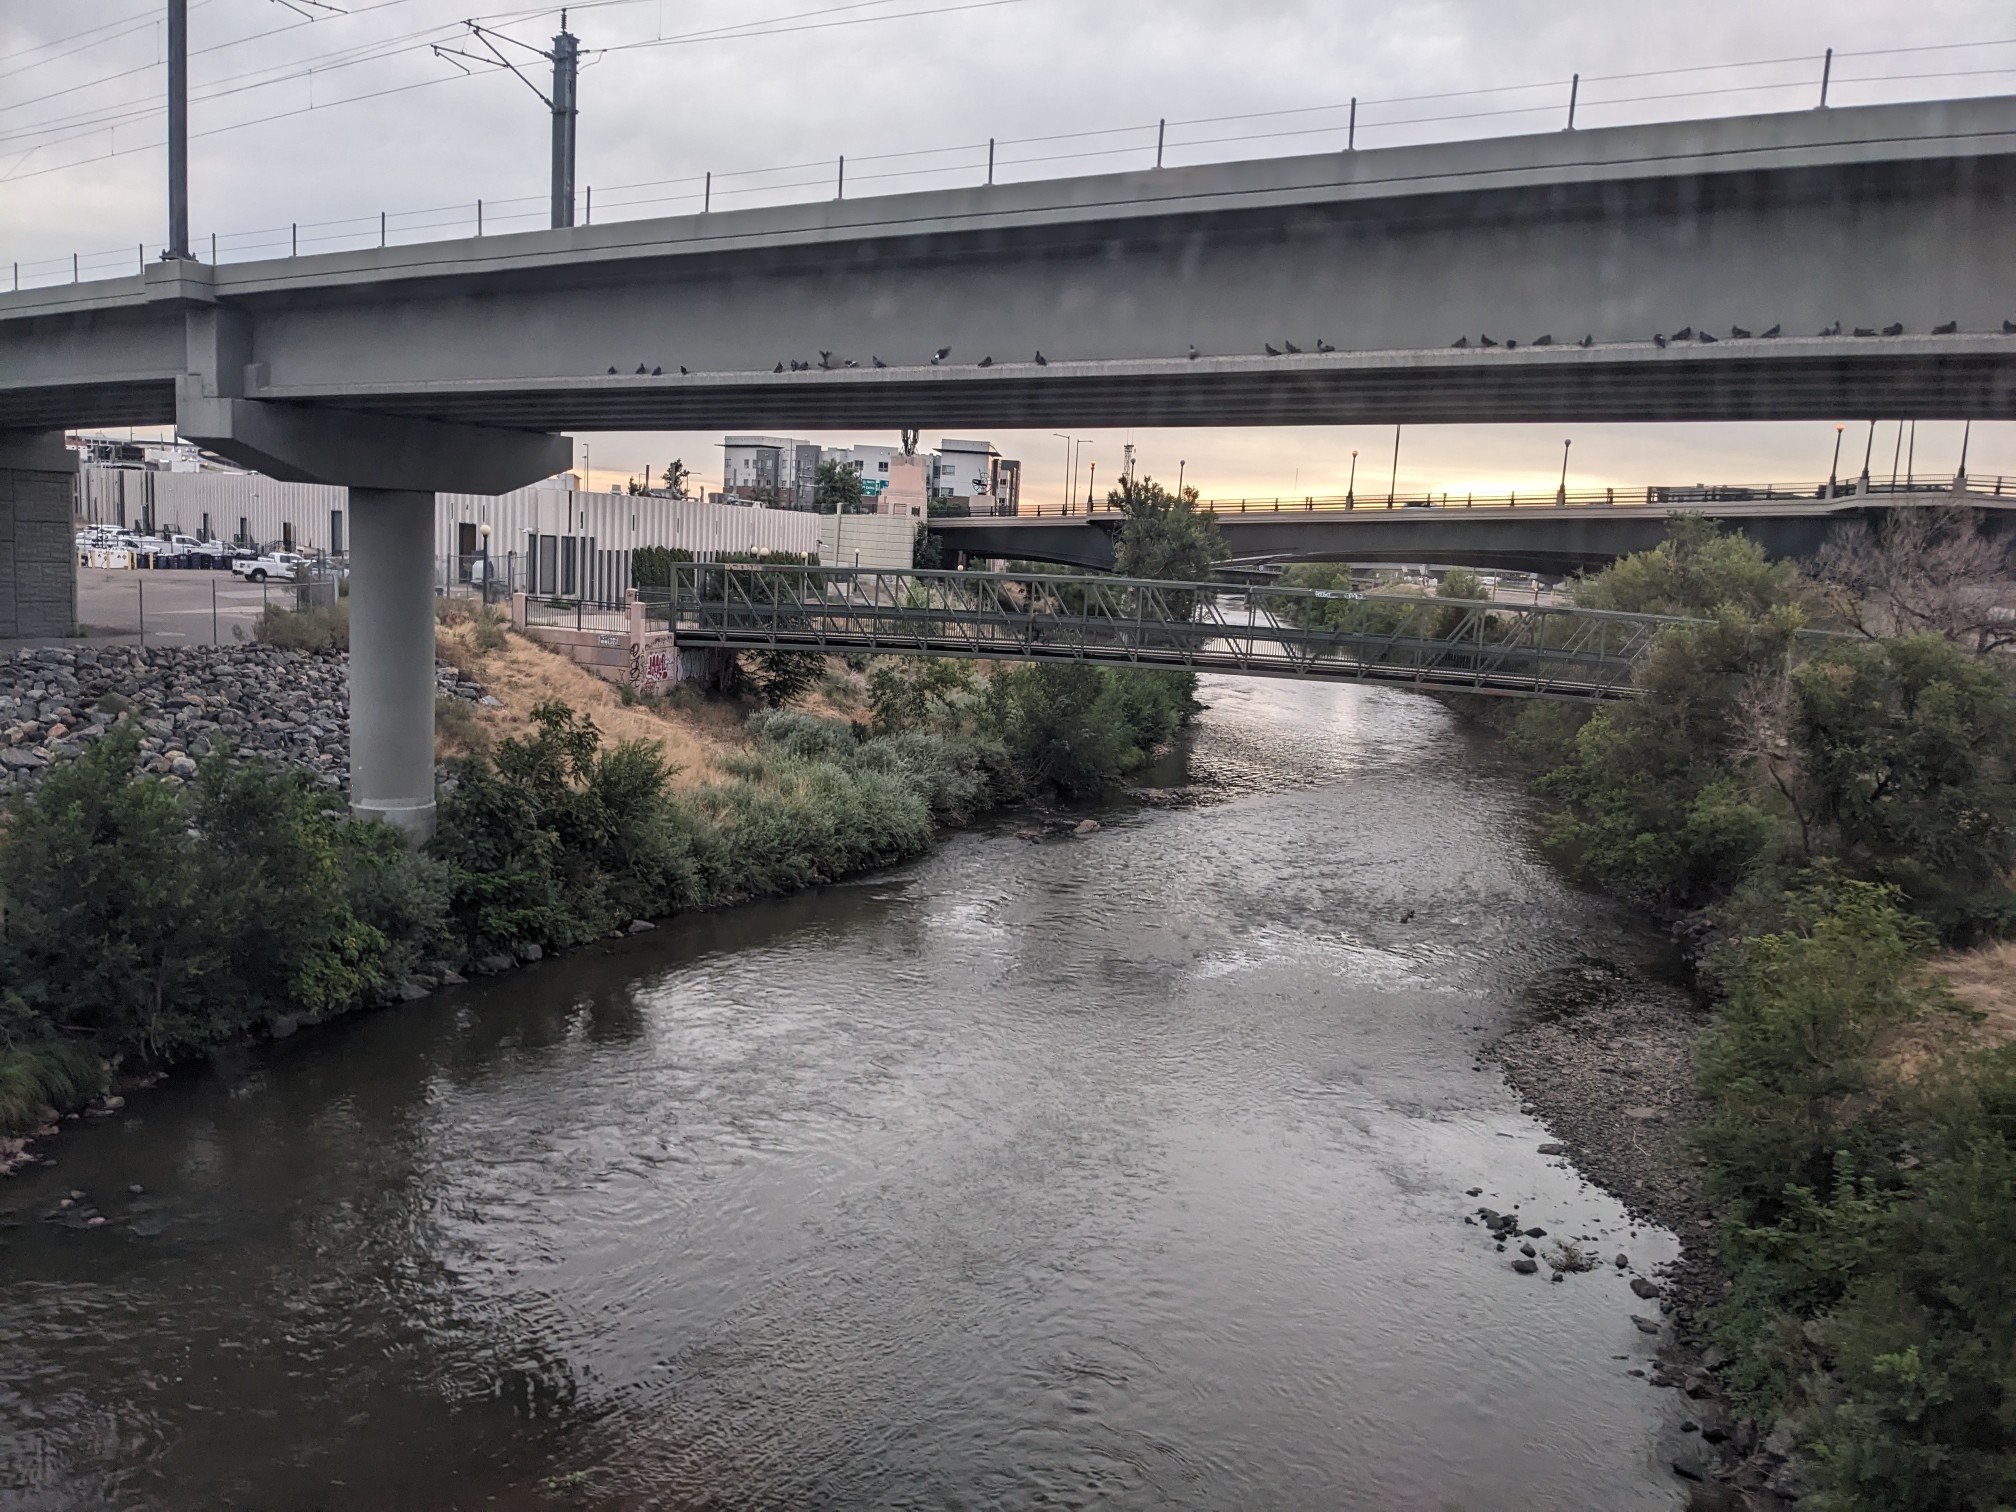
565 57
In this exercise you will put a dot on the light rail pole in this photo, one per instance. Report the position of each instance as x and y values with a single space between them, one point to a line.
178 131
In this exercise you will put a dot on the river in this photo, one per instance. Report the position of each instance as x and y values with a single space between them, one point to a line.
1124 1172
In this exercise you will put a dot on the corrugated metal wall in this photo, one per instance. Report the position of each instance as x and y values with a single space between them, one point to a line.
315 518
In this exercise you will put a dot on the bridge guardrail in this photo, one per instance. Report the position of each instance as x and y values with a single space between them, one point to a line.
1654 495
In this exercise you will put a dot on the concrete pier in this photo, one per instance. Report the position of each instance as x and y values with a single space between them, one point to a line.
38 580
392 658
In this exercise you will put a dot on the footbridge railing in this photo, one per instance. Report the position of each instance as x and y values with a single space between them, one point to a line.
1457 645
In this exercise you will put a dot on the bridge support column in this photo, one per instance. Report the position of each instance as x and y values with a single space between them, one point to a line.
38 568
392 658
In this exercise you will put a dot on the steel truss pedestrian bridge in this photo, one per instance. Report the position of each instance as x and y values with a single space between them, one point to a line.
1452 645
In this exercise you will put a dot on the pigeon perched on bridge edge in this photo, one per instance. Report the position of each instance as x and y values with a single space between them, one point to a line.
1270 349
987 361
1895 328
2009 328
1586 342
683 373
1547 340
1704 338
940 355
778 369
1324 346
1737 333
1193 351
657 372
1865 330
877 361
642 370
1460 343
1041 360
612 372
1768 335
1486 341
1291 349
1947 329
1511 346
1833 330
1659 341
1685 333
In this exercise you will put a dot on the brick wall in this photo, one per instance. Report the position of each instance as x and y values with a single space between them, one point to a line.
38 565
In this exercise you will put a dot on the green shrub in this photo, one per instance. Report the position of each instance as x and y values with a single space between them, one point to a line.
782 677
325 627
48 1076
1908 762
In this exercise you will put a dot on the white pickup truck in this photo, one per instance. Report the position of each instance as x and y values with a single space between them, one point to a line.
274 564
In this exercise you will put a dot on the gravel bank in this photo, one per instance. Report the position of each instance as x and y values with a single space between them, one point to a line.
291 707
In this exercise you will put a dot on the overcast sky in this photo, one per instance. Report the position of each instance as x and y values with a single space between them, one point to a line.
327 121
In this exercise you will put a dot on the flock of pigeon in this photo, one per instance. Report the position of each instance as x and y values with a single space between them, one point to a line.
1705 337
1685 334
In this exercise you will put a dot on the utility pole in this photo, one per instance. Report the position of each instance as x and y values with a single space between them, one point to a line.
563 102
178 130
566 74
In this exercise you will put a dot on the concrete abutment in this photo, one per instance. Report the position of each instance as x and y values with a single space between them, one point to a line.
392 658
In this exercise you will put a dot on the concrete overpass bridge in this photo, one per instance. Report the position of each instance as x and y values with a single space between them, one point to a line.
1555 540
456 366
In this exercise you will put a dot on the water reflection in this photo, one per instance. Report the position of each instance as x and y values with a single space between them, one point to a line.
1123 1172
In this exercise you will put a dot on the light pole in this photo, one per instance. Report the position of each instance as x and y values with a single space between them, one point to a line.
1351 488
1867 451
1068 490
1834 468
1393 483
1180 465
1960 480
1561 493
1091 484
483 558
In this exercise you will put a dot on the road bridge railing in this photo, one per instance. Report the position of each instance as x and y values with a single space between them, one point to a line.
1843 492
1263 630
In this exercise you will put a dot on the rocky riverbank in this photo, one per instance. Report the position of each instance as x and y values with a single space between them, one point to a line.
291 707
1606 1060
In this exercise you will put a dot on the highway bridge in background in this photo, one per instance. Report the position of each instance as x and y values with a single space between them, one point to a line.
1536 535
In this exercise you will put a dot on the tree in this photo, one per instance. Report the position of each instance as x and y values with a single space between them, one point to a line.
1908 749
1698 569
675 478
1166 536
839 488
780 677
1924 571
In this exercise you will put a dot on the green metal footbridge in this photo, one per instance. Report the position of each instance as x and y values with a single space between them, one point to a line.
1446 645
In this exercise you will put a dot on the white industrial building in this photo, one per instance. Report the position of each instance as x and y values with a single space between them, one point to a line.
548 538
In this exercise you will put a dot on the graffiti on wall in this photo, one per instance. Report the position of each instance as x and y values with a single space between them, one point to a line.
653 661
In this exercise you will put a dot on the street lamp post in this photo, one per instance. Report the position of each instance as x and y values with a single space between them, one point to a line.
1351 488
1091 484
483 558
1393 483
1068 458
1181 464
1834 469
1561 493
1867 451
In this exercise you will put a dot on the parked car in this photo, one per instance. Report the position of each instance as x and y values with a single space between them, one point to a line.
272 564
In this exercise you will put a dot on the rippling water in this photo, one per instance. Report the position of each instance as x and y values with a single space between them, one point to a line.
1118 1172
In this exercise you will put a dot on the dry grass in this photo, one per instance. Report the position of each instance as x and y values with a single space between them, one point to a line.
1985 980
523 675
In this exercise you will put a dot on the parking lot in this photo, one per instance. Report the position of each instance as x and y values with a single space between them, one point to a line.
172 608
